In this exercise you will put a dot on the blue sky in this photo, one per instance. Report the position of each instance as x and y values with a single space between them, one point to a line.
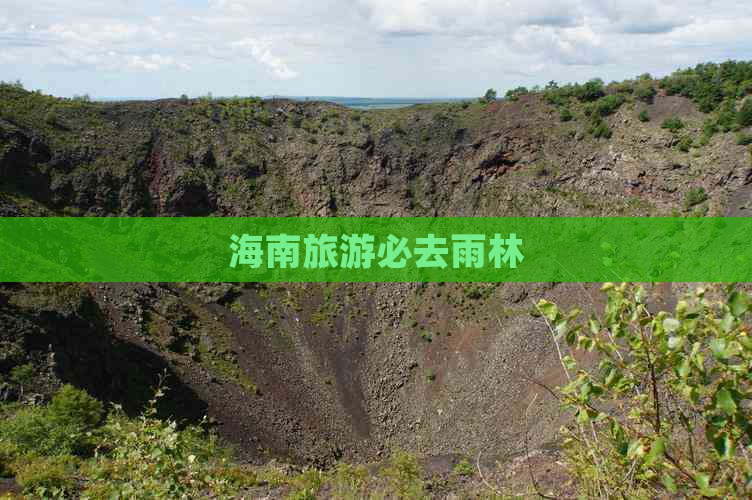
375 48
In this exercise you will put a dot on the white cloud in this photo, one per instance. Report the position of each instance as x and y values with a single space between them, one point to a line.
358 47
262 54
153 62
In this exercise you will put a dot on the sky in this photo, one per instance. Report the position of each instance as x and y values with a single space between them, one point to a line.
356 48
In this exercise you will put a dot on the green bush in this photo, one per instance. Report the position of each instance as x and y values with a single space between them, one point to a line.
490 95
662 407
727 117
404 475
744 117
151 458
599 129
61 428
22 375
684 144
514 94
349 481
609 104
566 115
674 124
695 196
590 91
71 406
296 121
8 454
464 468
709 129
744 139
643 116
33 431
644 90
47 477
264 118
709 84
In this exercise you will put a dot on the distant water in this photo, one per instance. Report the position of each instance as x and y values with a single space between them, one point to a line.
366 103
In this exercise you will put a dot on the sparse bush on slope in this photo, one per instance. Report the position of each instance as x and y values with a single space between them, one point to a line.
47 447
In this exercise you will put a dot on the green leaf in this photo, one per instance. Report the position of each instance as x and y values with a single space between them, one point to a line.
636 449
656 452
728 322
702 480
683 368
549 310
595 326
720 349
669 483
725 402
681 308
569 362
739 303
724 446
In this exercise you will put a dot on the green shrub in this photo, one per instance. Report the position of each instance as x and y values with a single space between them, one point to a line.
264 118
684 144
662 411
296 120
566 115
644 90
307 484
709 129
47 477
22 375
349 482
8 454
609 104
744 117
695 196
61 428
71 406
464 468
33 431
514 94
643 116
743 139
590 91
599 129
405 476
151 458
674 124
727 117
490 95
709 84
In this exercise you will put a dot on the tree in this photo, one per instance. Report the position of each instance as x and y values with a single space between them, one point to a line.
490 95
744 117
644 90
514 94
661 409
591 91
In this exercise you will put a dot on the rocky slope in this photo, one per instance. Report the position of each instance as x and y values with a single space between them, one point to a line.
313 372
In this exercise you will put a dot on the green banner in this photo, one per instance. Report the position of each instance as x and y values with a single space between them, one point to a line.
374 249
